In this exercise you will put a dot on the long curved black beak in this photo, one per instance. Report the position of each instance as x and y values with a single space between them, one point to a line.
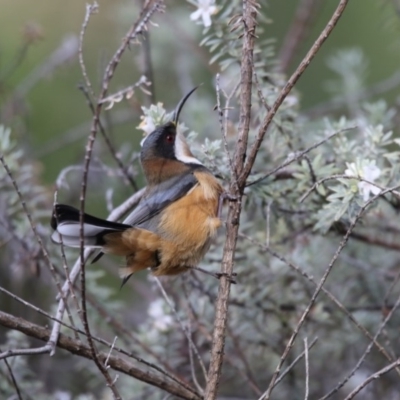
175 116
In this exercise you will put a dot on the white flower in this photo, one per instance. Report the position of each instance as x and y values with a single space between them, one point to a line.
206 8
367 170
161 320
147 125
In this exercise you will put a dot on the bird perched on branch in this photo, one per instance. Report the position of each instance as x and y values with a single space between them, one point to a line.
170 229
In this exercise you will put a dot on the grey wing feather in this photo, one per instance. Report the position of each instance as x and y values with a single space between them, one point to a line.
158 198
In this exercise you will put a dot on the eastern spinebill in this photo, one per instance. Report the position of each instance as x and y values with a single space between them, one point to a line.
170 229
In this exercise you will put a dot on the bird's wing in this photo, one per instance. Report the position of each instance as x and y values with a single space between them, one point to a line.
160 197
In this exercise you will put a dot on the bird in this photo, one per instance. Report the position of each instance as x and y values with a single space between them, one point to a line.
171 228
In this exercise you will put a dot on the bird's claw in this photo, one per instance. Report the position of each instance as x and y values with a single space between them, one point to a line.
219 275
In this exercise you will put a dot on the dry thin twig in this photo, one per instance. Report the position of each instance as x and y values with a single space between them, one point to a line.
307 390
331 297
288 87
104 342
221 314
148 10
300 155
186 332
115 363
319 288
295 361
13 379
90 10
110 146
373 377
243 169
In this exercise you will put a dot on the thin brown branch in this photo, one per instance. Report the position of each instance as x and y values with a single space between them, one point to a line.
168 372
145 15
13 379
34 230
90 10
307 368
373 377
376 241
129 336
394 365
80 349
148 64
246 371
221 314
298 156
319 289
342 308
288 87
110 146
25 352
295 361
185 331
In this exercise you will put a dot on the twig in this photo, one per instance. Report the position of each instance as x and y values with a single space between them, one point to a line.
147 64
13 379
366 352
127 92
342 176
66 270
104 342
131 336
110 351
295 361
221 314
24 352
192 370
373 377
90 10
110 146
36 234
300 155
319 288
288 87
331 297
247 373
268 223
62 301
222 118
132 33
186 332
307 389
78 348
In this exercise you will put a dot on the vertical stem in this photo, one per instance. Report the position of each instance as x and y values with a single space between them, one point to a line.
232 225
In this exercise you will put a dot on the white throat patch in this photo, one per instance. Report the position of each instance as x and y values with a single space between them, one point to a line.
182 151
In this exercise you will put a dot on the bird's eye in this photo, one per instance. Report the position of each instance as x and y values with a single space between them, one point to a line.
169 138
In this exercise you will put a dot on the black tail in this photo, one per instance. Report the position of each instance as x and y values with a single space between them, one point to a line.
65 222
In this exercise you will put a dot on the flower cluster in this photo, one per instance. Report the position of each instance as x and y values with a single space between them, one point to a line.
368 172
205 8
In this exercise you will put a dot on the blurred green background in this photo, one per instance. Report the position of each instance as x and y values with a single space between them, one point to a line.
52 117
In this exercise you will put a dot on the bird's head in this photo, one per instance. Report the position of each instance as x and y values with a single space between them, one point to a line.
165 152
